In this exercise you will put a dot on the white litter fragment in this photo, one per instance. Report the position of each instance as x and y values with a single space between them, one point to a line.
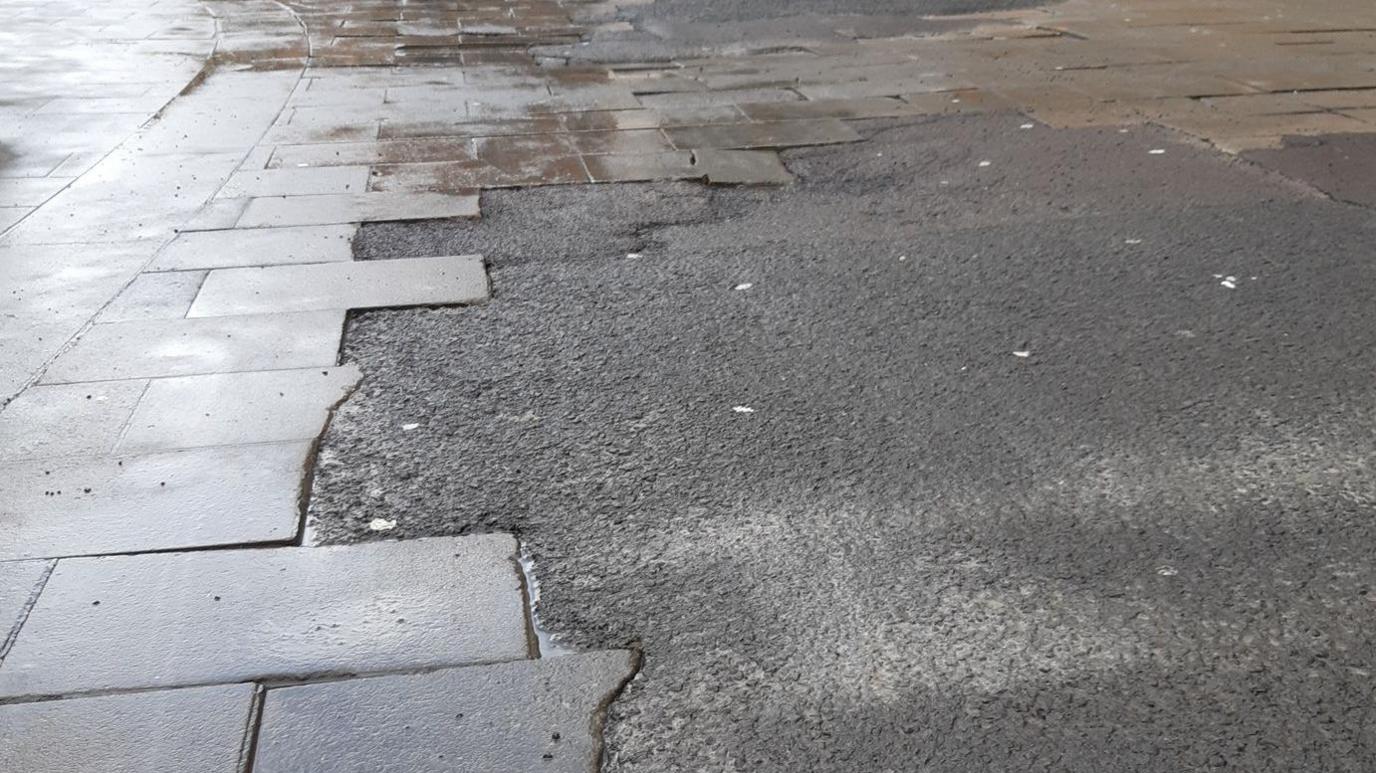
409 427
1024 354
902 257
1157 151
743 286
1166 571
985 163
381 524
632 255
743 409
1028 126
1229 282
1132 241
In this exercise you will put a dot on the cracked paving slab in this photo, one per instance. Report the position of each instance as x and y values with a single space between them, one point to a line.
918 462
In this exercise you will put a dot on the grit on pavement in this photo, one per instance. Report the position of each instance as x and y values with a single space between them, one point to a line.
648 386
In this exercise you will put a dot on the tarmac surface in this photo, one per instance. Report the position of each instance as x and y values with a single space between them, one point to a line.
980 447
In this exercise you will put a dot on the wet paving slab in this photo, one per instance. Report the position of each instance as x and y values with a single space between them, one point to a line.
163 620
196 730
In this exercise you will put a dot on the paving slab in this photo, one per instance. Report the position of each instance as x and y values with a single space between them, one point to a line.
535 715
325 209
184 347
354 285
67 419
236 408
256 247
778 134
296 182
227 495
742 167
196 730
163 295
205 617
19 586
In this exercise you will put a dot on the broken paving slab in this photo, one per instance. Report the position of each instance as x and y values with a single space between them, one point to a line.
367 284
226 495
217 616
534 715
67 419
20 582
325 209
256 247
184 347
195 730
236 408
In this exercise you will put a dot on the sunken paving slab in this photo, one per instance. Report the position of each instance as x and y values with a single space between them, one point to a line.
256 247
196 730
205 617
534 715
225 495
67 419
183 347
328 208
356 285
236 408
154 296
19 585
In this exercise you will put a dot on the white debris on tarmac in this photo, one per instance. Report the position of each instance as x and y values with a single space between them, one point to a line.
1024 353
985 163
743 286
1229 282
409 427
1157 151
743 409
382 524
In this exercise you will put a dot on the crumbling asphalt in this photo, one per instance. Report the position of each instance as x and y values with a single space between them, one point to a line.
1056 462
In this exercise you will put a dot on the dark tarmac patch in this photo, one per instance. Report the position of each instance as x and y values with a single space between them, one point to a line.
1341 165
917 464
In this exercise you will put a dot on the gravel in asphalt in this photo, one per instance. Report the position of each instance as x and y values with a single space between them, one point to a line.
1058 463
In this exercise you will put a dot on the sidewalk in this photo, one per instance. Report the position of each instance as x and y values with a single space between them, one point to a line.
180 184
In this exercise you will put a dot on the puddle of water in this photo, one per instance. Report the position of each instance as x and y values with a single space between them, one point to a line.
548 644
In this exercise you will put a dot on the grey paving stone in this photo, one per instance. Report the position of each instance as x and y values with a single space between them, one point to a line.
236 408
742 167
296 182
165 295
353 285
779 134
227 495
196 730
328 208
215 616
19 584
256 247
534 715
184 347
67 419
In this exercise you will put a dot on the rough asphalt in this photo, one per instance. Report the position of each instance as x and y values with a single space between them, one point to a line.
1058 463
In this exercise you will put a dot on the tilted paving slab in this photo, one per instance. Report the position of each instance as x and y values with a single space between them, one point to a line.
19 585
534 715
778 134
205 617
256 247
227 495
355 285
328 208
236 408
196 730
67 419
296 182
741 167
182 347
154 296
